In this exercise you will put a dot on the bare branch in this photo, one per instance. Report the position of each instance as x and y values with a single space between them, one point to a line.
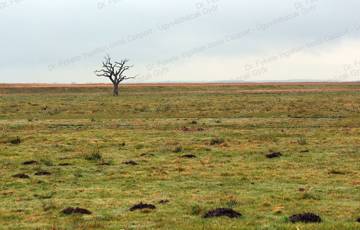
114 71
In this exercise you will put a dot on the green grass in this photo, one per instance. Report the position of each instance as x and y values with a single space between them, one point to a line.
230 133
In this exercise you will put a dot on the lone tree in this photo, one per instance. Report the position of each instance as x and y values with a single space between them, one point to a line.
115 71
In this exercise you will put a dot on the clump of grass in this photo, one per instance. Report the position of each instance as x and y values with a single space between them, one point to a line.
217 141
78 173
142 109
107 162
48 205
178 149
47 162
302 140
94 156
139 146
44 196
309 196
231 203
196 210
163 108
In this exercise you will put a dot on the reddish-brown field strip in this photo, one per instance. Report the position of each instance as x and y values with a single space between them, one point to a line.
232 91
255 91
96 85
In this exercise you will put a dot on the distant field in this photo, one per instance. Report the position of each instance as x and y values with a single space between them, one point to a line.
106 154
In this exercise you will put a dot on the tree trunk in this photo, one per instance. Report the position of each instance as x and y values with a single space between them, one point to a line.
116 90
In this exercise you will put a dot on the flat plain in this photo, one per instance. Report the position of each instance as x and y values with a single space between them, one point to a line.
184 148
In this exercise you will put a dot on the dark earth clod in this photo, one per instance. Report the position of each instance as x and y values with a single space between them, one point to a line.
185 129
164 201
217 141
16 141
358 220
70 211
141 206
189 156
222 212
336 172
273 155
31 162
305 218
147 155
21 176
64 164
131 162
42 173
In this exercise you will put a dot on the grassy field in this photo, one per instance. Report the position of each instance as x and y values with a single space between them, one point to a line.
83 136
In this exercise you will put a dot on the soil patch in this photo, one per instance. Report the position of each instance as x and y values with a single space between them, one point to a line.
21 176
337 172
358 220
217 141
164 201
16 141
142 206
64 164
273 155
187 129
42 173
130 162
305 218
189 156
147 155
222 212
31 162
70 211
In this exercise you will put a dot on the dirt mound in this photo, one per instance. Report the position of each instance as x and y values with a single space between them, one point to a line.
147 155
189 156
305 218
21 176
31 162
337 172
273 155
16 141
130 162
164 201
217 141
187 129
222 212
142 206
42 173
64 164
70 211
358 220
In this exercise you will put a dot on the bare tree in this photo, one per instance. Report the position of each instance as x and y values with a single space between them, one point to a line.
115 71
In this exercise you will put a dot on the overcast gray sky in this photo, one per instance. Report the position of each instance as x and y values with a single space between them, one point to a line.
181 40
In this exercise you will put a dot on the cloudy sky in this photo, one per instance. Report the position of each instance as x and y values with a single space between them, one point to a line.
181 40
